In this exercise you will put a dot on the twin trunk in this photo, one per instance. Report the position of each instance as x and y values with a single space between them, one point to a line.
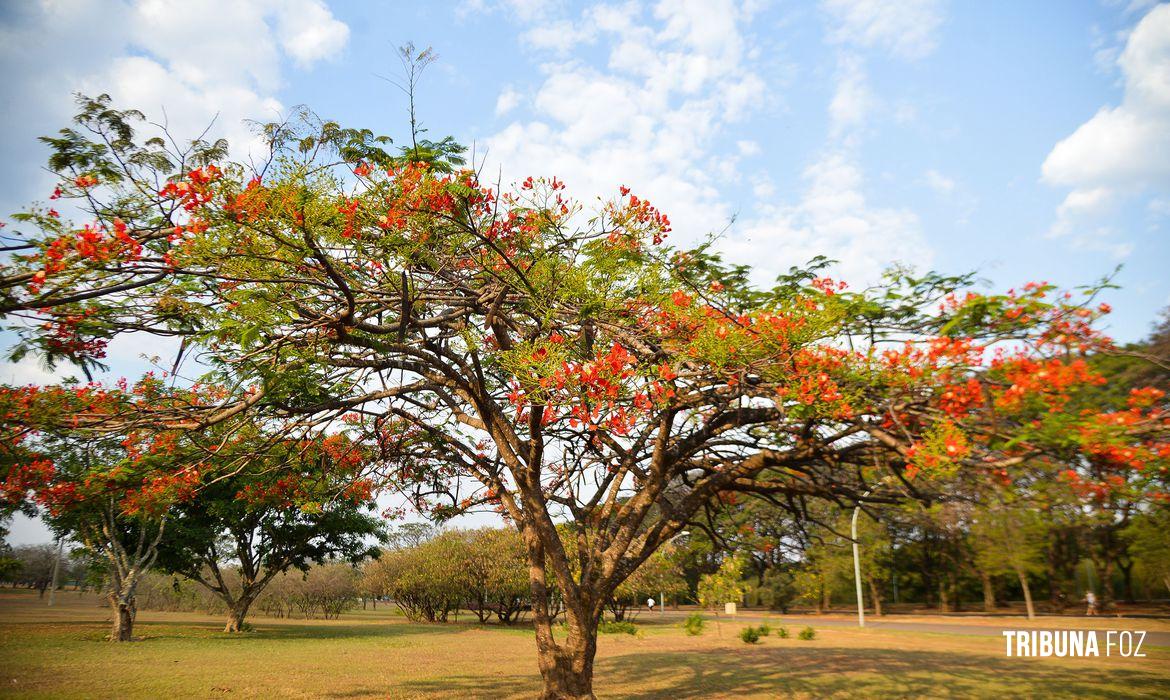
567 666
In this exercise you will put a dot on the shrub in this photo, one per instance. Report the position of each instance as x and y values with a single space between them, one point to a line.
694 624
617 628
808 633
782 632
764 629
750 635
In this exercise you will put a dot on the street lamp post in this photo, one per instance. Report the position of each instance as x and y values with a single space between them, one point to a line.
857 563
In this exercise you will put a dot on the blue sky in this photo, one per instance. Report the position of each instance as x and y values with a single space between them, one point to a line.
1024 140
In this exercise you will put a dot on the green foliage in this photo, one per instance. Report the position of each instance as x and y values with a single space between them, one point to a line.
764 629
427 582
694 624
1009 537
659 575
617 627
782 632
807 634
1149 537
288 508
750 635
723 586
482 570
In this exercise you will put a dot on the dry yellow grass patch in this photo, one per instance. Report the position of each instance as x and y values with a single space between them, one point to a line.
59 652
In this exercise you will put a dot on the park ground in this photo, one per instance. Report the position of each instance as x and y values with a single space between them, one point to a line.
60 652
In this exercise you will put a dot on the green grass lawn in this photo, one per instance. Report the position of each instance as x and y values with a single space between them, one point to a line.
60 652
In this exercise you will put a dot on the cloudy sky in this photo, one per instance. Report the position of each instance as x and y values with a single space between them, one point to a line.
1028 141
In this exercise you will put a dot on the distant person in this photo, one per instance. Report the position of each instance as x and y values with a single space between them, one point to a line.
650 604
1091 601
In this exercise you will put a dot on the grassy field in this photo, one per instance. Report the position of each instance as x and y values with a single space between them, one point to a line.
59 652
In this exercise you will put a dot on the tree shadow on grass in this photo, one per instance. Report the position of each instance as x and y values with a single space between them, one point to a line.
817 672
146 631
309 629
844 672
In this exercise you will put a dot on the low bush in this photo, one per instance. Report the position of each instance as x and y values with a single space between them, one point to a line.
782 632
808 633
764 629
694 624
623 627
750 635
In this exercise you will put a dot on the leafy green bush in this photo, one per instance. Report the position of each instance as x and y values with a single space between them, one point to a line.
764 629
694 624
750 635
623 627
808 633
782 632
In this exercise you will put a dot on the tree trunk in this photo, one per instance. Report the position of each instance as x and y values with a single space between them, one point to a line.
1126 581
1106 583
123 626
567 667
943 603
236 614
1027 594
876 596
988 591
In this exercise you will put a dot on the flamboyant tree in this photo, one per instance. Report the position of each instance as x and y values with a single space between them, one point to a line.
509 348
132 492
107 489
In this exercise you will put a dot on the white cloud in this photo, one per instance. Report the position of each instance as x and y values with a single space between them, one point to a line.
647 115
906 28
308 31
1081 202
833 218
508 100
939 183
187 63
763 188
747 147
657 116
196 60
561 36
852 99
1121 150
1129 144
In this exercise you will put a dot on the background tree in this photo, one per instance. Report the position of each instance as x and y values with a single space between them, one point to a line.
657 577
723 586
1010 538
109 489
30 566
496 565
1149 535
300 505
428 581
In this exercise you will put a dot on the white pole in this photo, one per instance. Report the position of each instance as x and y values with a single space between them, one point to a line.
857 564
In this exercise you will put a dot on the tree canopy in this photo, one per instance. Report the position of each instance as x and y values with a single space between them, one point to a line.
504 346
